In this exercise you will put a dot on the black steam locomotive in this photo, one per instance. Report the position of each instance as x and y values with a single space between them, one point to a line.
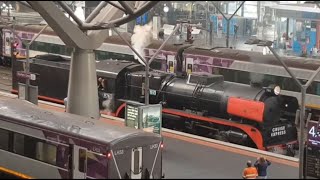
197 103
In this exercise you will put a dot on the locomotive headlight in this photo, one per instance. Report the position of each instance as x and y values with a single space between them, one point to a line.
277 90
273 89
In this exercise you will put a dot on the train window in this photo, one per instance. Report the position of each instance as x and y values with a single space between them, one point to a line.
102 55
96 166
18 144
25 41
82 160
244 77
24 35
69 51
62 156
4 139
156 64
55 49
290 85
312 89
41 46
7 41
35 148
46 152
228 74
317 87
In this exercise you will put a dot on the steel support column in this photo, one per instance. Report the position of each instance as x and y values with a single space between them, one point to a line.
82 90
84 37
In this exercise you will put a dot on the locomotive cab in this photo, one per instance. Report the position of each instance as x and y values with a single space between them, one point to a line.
110 77
136 81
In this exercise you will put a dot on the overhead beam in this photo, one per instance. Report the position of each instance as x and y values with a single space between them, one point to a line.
70 12
96 11
69 32
127 7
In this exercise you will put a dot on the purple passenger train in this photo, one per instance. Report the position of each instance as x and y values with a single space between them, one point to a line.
37 143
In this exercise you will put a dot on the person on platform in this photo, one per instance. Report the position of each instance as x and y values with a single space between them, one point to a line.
250 172
262 165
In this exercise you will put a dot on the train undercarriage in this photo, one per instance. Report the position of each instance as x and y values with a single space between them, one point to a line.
222 133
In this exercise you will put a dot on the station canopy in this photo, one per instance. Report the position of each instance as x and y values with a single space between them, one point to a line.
296 12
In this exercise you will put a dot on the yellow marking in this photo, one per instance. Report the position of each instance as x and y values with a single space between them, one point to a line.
313 106
20 175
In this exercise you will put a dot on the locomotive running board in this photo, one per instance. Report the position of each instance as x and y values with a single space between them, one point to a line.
252 132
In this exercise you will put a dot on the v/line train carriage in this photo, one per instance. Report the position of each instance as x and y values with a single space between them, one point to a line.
202 104
36 143
235 65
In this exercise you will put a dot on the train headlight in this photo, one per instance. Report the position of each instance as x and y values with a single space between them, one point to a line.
273 89
277 90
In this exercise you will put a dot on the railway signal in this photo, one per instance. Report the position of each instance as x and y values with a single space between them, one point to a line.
14 51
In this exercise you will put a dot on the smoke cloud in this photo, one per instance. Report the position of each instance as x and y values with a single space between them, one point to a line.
141 38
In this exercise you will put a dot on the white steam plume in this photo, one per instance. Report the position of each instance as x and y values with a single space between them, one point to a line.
141 38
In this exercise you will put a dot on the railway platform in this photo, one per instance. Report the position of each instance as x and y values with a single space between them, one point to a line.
188 156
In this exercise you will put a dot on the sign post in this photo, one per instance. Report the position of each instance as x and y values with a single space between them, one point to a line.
312 152
146 117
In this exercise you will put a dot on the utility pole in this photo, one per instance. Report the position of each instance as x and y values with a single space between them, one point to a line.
27 64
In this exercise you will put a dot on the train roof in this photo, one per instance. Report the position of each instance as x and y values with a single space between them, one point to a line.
255 57
246 60
78 126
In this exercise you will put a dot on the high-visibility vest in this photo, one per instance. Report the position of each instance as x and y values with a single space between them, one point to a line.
250 173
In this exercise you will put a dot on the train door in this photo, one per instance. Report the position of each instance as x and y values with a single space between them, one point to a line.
79 159
170 63
189 65
7 46
136 163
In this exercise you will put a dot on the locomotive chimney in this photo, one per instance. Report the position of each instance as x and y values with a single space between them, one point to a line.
179 59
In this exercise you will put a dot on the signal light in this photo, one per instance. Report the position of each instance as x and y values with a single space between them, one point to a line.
109 155
15 45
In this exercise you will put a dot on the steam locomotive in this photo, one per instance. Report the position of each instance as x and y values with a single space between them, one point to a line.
198 103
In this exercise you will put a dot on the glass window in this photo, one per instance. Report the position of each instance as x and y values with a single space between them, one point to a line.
82 159
156 64
229 75
244 77
63 156
233 6
40 46
7 41
4 139
250 9
102 55
25 41
34 148
96 166
69 51
55 49
24 36
46 152
18 144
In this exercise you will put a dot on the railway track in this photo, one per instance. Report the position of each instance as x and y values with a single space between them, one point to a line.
5 79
